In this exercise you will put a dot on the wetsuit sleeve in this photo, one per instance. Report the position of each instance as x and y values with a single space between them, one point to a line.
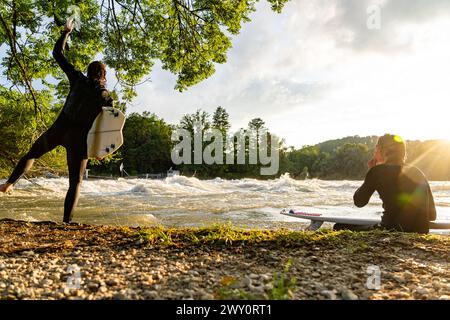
363 194
58 54
431 205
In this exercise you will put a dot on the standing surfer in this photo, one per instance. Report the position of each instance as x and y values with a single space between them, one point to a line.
86 98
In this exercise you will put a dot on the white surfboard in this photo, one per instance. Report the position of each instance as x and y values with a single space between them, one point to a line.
317 219
105 135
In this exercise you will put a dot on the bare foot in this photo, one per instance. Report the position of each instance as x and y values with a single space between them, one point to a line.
6 187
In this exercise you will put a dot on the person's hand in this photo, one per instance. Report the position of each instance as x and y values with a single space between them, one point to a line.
372 163
68 26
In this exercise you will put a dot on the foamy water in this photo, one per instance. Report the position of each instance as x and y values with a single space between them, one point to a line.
183 201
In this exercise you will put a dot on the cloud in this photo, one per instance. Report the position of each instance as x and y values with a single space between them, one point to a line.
349 25
316 71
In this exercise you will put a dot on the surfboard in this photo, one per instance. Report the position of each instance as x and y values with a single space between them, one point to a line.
105 135
317 219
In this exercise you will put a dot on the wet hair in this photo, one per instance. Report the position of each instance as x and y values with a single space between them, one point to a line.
392 148
97 71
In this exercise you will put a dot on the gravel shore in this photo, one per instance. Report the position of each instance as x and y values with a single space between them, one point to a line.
46 260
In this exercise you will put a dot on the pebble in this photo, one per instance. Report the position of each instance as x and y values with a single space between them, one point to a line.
401 295
207 296
348 294
422 291
247 281
93 286
28 253
180 273
112 282
266 277
151 294
331 295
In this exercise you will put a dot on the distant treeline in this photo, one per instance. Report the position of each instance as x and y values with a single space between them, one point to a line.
148 145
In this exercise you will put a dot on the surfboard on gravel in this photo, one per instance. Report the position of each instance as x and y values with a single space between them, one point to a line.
317 219
105 135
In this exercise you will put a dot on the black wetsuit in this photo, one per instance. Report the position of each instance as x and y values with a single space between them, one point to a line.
83 104
407 199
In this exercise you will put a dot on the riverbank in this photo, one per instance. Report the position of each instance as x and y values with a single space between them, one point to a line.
46 260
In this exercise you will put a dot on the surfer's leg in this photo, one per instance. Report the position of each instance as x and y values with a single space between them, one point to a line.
45 143
77 166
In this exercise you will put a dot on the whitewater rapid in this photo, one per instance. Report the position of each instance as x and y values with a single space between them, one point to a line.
186 201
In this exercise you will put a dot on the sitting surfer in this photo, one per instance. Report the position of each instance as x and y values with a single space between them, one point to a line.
86 97
407 199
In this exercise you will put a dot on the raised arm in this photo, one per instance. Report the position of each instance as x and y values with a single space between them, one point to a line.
363 194
58 54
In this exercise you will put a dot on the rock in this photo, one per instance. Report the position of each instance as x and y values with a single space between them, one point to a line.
253 276
93 286
399 278
247 282
257 289
408 275
103 289
422 291
266 277
268 287
207 296
348 294
444 297
112 282
119 296
329 294
401 295
151 294
27 253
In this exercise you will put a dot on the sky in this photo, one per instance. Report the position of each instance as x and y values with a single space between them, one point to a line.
318 72
326 69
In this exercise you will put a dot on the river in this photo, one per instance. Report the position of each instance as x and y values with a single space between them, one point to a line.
185 202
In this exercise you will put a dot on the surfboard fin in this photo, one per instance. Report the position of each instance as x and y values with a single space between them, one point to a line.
315 225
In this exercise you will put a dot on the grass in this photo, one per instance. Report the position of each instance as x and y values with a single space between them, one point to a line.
282 287
227 235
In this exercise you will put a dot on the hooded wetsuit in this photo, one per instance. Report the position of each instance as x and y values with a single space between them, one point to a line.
84 102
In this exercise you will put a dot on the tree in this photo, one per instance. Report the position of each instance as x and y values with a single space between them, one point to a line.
147 144
350 161
187 36
256 124
188 121
305 157
221 120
